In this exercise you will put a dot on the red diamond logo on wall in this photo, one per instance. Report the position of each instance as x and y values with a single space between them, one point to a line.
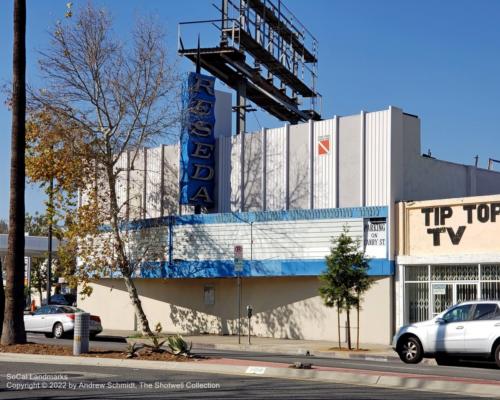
323 146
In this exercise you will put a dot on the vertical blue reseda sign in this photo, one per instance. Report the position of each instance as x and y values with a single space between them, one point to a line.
197 155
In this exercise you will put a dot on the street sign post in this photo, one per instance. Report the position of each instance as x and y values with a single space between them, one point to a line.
238 267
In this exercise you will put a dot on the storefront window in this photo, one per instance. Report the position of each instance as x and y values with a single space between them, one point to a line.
432 289
490 290
417 273
490 272
417 300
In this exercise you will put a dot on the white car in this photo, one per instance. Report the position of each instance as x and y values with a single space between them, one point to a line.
470 329
56 320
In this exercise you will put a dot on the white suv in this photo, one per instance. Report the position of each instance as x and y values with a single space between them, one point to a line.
470 329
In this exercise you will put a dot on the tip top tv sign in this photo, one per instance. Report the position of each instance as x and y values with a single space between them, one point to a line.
197 155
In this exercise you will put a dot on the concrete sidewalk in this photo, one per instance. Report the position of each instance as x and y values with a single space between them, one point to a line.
319 348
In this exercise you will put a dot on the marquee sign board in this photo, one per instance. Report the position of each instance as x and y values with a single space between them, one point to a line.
197 153
376 238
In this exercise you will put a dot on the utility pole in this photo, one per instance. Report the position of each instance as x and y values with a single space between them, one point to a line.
49 259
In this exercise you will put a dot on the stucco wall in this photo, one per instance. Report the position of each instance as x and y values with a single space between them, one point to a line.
283 307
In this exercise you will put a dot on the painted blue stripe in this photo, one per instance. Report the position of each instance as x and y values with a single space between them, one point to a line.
259 216
256 268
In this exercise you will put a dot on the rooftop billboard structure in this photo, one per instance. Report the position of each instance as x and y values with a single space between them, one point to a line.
261 50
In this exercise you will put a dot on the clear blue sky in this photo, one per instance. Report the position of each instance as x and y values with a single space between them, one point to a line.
437 59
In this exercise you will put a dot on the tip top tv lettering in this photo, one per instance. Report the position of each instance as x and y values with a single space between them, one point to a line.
197 155
475 213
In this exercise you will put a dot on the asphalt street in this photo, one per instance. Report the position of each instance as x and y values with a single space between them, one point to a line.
478 370
49 381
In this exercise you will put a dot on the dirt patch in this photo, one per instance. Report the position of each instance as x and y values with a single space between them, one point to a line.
54 350
346 349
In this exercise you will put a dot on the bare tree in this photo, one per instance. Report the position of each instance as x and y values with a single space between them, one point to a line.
121 97
13 323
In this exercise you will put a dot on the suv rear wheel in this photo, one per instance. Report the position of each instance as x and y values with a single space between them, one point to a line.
410 350
497 355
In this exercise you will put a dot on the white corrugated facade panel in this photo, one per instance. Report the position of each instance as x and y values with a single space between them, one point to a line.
275 169
324 148
223 178
253 172
136 201
153 183
235 173
377 167
121 183
171 180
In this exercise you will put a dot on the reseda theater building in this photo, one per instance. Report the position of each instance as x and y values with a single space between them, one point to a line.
283 194
448 252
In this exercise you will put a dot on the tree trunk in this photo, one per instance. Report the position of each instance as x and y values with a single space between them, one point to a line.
123 260
2 298
136 302
338 325
348 311
13 324
357 324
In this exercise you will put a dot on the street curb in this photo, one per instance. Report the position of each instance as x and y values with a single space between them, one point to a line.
374 379
302 352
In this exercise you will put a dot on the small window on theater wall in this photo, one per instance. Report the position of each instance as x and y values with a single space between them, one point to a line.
209 295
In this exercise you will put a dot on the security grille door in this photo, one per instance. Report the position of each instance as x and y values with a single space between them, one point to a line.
466 292
442 297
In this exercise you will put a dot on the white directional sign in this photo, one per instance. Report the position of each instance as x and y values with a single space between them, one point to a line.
238 252
238 258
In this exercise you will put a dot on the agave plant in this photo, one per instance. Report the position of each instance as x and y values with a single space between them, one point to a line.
156 344
179 346
132 349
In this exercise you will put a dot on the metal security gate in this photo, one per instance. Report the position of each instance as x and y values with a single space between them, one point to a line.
444 295
431 289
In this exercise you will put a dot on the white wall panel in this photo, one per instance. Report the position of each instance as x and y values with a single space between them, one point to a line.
153 183
253 172
377 167
235 173
223 178
121 183
171 180
324 164
136 201
275 161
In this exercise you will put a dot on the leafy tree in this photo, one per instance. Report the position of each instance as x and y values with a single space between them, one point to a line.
4 227
13 324
38 225
2 298
102 101
345 279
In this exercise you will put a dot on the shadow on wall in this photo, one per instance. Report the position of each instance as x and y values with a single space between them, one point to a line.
252 185
274 316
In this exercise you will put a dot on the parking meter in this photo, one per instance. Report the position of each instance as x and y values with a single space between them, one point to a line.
249 316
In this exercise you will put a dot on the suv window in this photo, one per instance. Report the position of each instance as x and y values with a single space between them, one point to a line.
460 313
485 311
